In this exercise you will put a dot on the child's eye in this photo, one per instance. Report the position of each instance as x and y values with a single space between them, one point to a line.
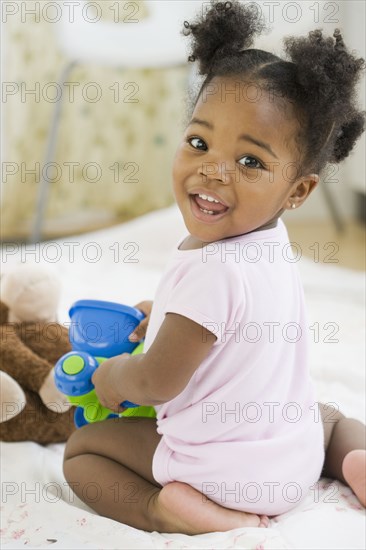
250 162
197 143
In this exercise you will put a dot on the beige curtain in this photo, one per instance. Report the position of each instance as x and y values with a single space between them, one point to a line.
116 140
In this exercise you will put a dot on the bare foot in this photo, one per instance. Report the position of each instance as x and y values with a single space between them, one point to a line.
354 472
181 509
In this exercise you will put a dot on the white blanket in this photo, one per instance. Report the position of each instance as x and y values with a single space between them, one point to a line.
124 264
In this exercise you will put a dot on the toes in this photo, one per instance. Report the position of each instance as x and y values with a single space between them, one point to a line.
264 522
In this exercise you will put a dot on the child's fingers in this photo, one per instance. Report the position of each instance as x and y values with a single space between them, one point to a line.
145 307
140 331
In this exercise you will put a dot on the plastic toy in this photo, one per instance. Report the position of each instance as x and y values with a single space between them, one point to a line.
99 330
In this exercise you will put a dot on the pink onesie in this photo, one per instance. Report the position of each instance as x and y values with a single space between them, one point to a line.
246 430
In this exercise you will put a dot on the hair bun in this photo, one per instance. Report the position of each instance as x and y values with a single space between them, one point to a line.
225 28
322 64
347 136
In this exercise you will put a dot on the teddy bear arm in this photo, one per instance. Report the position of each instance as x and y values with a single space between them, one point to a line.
50 341
37 423
19 362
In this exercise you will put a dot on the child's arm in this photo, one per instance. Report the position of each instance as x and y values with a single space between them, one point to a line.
157 376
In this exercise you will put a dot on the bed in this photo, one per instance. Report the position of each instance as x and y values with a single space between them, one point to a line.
124 264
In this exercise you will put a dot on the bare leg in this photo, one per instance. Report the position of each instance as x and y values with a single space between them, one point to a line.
109 466
345 445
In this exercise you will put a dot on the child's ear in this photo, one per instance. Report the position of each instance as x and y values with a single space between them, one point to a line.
301 189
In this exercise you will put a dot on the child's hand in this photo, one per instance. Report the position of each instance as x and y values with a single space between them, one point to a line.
140 330
106 384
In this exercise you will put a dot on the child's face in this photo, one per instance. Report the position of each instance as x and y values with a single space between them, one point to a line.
216 159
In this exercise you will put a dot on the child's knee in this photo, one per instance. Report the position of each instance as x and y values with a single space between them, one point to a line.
77 444
330 416
329 413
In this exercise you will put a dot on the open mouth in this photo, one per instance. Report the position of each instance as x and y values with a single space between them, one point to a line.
208 205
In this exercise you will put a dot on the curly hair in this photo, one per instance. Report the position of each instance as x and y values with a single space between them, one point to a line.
318 77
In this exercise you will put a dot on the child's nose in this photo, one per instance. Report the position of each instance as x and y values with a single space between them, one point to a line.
220 170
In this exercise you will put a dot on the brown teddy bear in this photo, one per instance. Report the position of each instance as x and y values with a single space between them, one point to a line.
31 342
12 398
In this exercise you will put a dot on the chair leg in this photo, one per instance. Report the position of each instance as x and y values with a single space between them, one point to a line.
36 229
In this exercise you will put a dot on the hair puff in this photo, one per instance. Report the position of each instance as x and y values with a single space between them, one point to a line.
225 29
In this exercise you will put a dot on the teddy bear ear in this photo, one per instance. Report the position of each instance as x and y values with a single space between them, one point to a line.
31 292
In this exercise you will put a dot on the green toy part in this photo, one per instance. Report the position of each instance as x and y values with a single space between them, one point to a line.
92 409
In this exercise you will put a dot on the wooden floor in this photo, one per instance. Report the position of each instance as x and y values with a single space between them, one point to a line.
321 242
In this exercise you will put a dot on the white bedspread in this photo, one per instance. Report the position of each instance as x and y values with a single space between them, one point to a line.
124 264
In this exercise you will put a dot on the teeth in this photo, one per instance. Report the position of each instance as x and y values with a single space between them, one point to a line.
206 211
208 198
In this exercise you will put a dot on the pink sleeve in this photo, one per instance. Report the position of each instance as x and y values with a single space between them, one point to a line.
211 294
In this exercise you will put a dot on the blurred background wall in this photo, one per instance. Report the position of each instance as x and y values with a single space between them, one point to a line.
118 131
120 127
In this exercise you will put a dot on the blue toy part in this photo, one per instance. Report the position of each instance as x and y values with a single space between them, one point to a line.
79 417
128 404
102 328
73 374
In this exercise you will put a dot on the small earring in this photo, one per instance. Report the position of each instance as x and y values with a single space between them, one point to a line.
293 205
